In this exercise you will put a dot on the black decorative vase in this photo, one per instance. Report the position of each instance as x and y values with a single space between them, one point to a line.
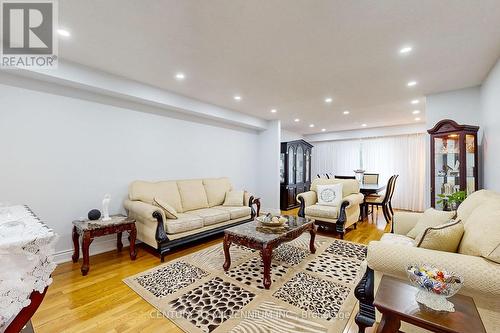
94 214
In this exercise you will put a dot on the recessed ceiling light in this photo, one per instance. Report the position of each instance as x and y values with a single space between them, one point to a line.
180 76
328 100
63 32
416 111
417 119
296 120
415 101
405 50
411 83
237 98
346 112
311 125
274 110
363 125
323 129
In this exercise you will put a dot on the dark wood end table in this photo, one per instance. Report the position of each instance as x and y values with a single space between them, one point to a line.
256 237
90 229
395 299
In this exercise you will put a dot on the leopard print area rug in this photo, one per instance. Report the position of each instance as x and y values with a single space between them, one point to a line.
309 292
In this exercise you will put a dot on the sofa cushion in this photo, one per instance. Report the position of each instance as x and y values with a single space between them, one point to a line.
192 194
329 212
236 212
397 239
445 237
216 189
482 233
473 201
430 218
169 211
165 190
234 198
349 186
330 195
184 222
211 215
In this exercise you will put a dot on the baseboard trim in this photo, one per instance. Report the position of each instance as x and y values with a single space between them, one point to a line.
99 245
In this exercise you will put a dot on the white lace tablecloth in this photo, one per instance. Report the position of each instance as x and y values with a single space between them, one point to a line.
27 247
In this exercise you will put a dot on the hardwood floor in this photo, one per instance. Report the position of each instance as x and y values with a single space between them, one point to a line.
101 302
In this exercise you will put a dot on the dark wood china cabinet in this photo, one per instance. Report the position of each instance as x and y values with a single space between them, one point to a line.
295 171
454 159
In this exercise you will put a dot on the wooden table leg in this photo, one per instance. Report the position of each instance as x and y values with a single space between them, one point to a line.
227 255
389 324
312 231
131 238
119 244
87 239
76 245
267 254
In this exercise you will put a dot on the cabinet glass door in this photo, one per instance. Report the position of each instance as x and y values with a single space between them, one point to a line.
470 158
291 169
282 168
299 172
447 166
308 165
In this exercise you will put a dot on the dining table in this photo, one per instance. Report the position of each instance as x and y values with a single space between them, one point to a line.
369 189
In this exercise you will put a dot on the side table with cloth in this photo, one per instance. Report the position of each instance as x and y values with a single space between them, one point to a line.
27 246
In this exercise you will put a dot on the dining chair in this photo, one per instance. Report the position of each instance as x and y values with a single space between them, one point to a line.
344 177
384 201
370 178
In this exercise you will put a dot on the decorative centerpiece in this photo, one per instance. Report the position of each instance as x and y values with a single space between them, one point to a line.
359 175
272 221
435 286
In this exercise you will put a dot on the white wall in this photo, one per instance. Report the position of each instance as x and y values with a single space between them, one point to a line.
367 133
290 136
268 167
490 99
60 155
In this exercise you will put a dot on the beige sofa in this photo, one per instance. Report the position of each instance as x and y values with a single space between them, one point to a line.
343 216
477 259
199 207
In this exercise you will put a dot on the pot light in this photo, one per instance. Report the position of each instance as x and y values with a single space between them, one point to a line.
180 76
411 83
63 32
274 110
296 120
237 98
415 101
323 129
346 112
328 100
364 125
417 119
311 125
405 50
416 111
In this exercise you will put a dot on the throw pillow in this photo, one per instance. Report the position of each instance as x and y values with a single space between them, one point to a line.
430 218
445 237
482 233
170 211
234 198
330 195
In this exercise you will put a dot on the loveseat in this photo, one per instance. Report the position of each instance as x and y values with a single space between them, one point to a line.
476 259
341 216
171 213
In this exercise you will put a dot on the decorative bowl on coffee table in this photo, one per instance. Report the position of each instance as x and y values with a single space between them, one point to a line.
435 286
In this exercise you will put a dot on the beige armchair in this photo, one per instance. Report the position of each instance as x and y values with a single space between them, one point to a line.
343 216
477 259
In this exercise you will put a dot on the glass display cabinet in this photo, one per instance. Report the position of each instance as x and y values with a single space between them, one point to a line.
454 160
295 172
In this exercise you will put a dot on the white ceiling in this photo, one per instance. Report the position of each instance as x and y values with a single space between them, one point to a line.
291 54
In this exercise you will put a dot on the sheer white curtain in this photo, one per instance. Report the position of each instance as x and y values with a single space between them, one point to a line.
396 155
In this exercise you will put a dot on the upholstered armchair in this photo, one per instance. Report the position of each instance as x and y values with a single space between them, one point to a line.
477 258
343 216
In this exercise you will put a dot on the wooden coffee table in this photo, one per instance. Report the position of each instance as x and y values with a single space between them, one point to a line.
90 229
256 237
395 299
